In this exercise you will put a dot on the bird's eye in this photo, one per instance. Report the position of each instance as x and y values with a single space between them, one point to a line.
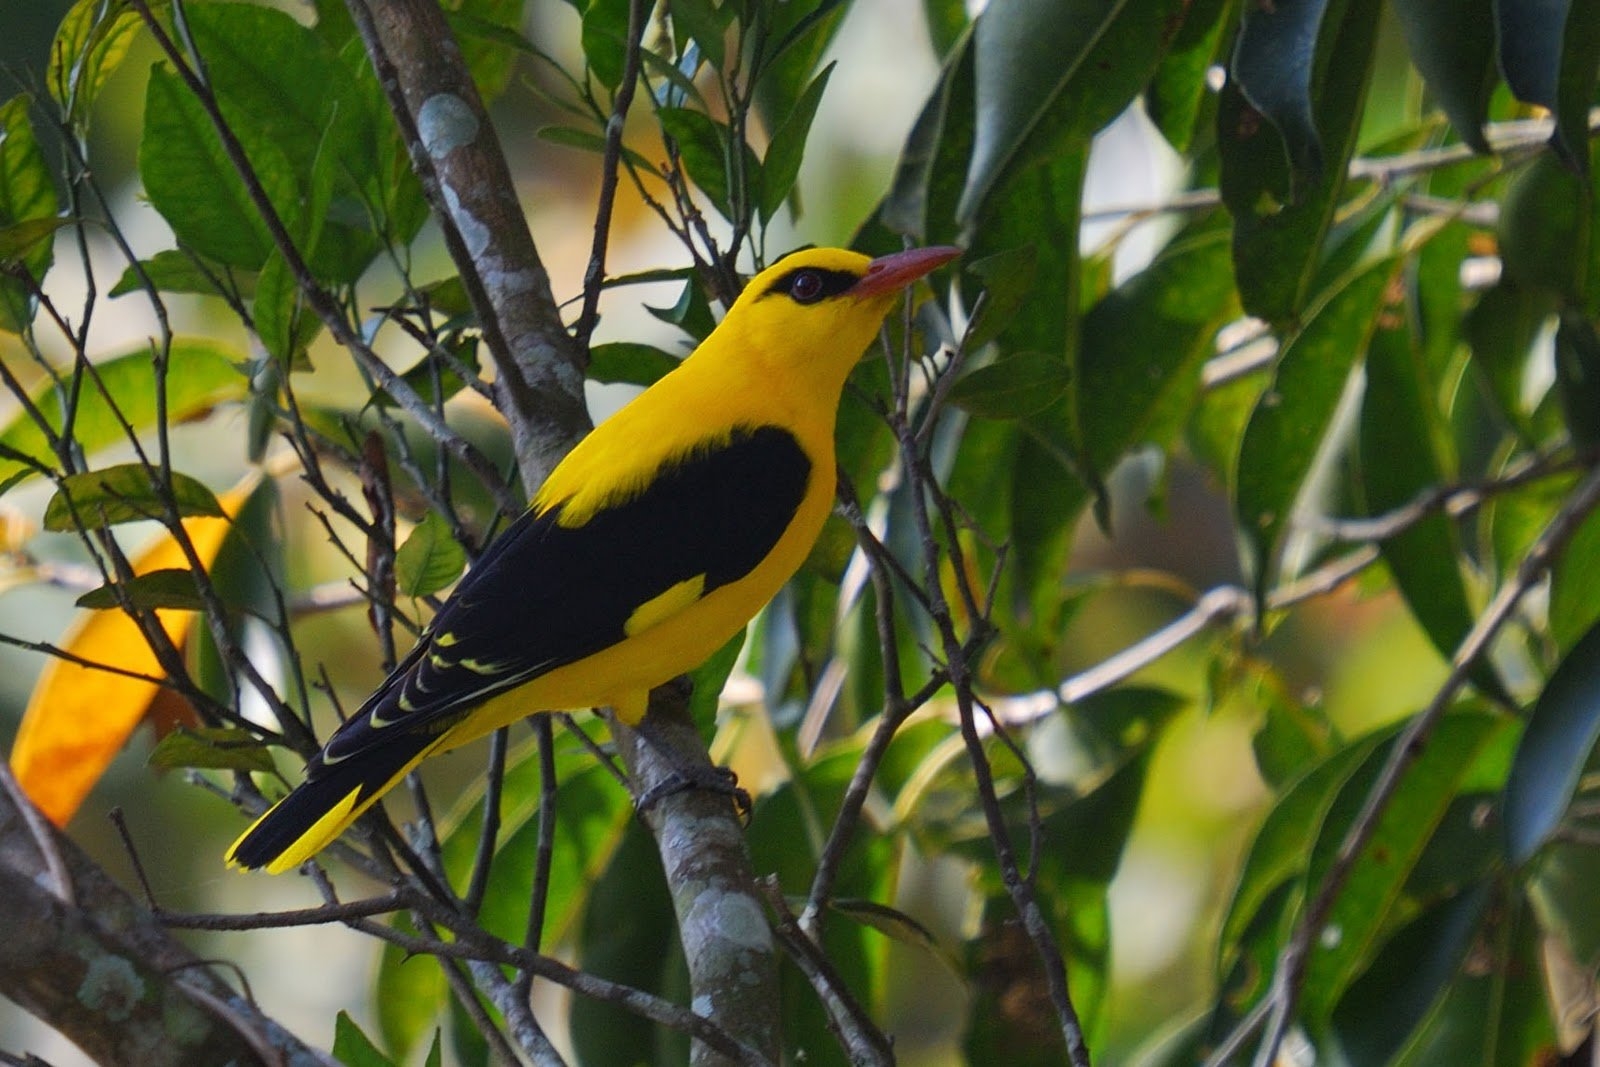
806 287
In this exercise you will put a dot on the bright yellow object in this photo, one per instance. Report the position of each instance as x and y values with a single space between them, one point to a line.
79 717
655 541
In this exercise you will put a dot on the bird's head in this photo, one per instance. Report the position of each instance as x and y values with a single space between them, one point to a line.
825 304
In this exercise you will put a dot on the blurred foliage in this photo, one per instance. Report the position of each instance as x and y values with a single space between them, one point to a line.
1410 410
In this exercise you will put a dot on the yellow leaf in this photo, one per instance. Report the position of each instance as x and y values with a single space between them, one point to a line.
79 717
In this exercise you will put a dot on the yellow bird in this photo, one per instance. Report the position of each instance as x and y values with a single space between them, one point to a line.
651 544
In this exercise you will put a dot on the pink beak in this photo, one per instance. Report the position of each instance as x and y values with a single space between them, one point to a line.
888 274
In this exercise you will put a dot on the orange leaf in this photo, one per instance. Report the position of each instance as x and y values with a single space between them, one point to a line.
79 717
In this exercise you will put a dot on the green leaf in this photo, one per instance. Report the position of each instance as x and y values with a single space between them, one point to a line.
1575 585
1578 377
20 239
221 748
704 145
628 363
589 141
1287 428
691 313
165 588
1281 220
708 680
434 378
1368 905
174 271
1177 96
1007 280
1545 230
90 43
1560 887
353 1048
1386 1004
706 24
1019 384
1144 344
430 559
605 40
1555 748
797 34
1273 63
1452 44
1575 90
27 193
782 165
408 993
490 40
123 493
929 178
192 184
200 375
1399 460
1495 1013
1501 328
1035 56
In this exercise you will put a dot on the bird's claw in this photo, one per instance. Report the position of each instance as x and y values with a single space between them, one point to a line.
719 780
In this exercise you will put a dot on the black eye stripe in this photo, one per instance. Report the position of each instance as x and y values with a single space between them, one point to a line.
834 282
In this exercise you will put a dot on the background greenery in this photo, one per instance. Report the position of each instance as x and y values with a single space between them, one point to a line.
1281 396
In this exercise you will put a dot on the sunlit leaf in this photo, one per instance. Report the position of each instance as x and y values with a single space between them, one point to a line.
124 493
173 271
27 193
90 43
80 717
353 1048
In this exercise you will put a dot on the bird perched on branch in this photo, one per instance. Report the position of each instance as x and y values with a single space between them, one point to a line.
649 546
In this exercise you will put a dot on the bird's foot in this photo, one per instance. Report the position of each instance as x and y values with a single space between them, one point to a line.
719 780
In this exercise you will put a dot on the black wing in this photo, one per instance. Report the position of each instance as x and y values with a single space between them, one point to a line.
544 595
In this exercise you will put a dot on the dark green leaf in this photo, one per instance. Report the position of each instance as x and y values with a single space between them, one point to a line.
1177 95
796 33
166 588
435 379
947 21
1530 47
1578 377
1501 328
1452 44
605 40
1035 56
1575 89
628 363
91 42
1555 747
1144 343
221 748
629 936
353 1048
1400 459
1386 1004
1575 585
1023 383
691 313
782 165
1293 416
1495 1014
430 559
175 271
703 143
706 24
1274 60
1280 220
928 181
124 493
1369 903
1007 280
1545 225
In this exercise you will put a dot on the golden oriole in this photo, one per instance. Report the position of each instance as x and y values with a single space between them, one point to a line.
650 545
